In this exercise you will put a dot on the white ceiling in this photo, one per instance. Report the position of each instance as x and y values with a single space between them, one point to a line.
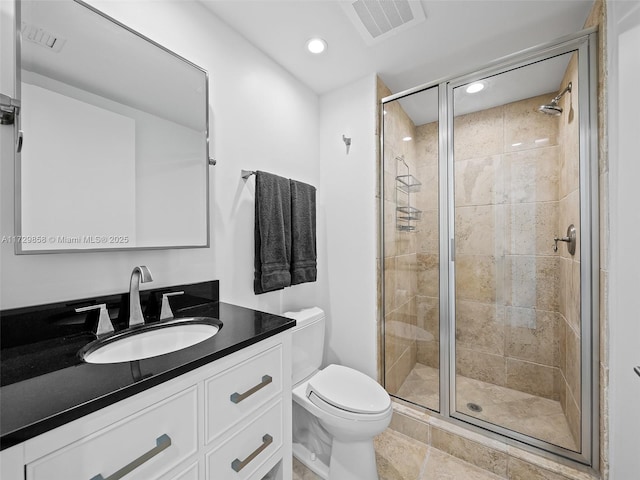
457 36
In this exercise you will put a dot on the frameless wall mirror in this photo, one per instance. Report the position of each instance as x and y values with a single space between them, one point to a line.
115 151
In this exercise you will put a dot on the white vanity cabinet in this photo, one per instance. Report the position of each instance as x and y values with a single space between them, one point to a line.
230 419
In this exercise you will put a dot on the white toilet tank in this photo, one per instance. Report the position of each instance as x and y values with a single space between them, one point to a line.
307 342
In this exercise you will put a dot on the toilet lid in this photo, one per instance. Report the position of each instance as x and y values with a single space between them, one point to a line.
348 389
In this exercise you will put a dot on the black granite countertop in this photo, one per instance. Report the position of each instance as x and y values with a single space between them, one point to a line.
45 384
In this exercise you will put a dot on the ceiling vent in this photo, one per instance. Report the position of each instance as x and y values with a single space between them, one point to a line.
377 20
43 38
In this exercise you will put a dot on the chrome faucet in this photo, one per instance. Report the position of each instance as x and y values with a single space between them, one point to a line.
139 274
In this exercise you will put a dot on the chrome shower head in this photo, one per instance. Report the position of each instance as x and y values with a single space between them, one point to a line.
552 108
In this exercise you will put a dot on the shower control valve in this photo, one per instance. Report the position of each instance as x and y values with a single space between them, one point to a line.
570 239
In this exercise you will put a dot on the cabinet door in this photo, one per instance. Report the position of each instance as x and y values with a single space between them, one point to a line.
240 456
188 473
239 391
148 444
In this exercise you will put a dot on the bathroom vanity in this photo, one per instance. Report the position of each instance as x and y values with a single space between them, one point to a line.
218 409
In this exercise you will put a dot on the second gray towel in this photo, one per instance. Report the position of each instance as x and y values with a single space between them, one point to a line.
303 232
272 233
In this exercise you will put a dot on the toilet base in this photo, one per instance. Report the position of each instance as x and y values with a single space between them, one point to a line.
353 461
311 461
349 461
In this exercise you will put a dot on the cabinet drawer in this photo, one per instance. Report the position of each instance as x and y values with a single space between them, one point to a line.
238 457
239 391
159 437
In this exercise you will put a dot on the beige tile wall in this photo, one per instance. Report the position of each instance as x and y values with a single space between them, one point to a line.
507 283
569 213
401 259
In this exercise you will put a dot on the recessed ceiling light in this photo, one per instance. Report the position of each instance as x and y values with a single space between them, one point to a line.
475 87
406 139
316 45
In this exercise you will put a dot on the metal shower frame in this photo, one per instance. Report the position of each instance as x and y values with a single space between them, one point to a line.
584 43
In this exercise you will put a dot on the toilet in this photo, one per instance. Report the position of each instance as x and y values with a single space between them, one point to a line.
336 410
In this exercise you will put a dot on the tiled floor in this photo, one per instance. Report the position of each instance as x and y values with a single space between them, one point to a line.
539 417
401 458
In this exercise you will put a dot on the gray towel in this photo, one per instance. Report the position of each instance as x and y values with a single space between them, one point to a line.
272 233
303 233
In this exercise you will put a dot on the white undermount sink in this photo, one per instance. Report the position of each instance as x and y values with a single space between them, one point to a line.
150 340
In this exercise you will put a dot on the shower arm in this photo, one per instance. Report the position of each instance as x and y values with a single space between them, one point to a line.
557 98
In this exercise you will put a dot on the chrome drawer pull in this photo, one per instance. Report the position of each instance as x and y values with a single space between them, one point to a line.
238 465
238 397
162 443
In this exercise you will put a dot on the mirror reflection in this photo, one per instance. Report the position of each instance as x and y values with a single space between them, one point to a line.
115 152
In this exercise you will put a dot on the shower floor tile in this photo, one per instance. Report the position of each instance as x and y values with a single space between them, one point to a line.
529 414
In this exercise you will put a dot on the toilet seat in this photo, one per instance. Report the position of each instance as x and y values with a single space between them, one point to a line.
348 393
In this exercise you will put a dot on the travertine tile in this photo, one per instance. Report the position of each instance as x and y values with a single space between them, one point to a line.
476 230
442 466
478 134
519 470
574 419
421 387
478 181
398 457
301 472
531 175
572 372
475 453
537 342
427 143
428 353
410 427
526 128
573 297
476 278
530 228
531 378
406 278
428 234
400 370
480 326
428 195
428 314
390 284
481 366
428 275
532 282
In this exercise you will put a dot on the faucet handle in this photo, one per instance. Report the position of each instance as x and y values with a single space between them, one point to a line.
104 322
165 311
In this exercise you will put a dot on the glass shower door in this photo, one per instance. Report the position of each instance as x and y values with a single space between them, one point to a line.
516 184
411 248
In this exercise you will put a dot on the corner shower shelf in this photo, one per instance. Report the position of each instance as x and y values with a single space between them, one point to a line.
408 183
405 213
408 213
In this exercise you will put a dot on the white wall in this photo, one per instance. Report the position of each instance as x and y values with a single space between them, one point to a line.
348 196
261 118
624 176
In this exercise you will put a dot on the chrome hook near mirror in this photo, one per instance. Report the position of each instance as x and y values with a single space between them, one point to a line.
570 239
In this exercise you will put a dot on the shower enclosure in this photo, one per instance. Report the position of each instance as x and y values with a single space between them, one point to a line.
489 250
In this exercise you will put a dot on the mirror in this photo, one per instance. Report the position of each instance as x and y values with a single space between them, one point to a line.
115 151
